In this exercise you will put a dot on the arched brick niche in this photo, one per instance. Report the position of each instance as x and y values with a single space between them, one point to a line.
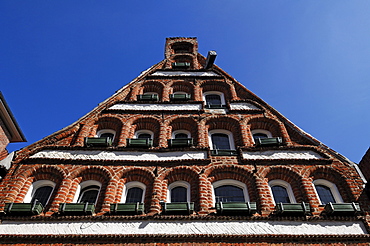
187 124
227 172
336 178
99 174
182 47
151 86
262 123
146 123
183 86
226 123
293 178
182 173
219 86
141 175
110 123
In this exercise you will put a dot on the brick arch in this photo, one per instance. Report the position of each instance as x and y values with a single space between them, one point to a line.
183 58
152 86
110 122
266 124
182 173
182 47
185 123
336 178
146 123
183 86
220 86
290 176
220 172
226 123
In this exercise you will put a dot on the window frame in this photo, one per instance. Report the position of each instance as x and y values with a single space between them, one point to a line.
222 96
133 184
103 131
178 184
36 185
333 189
83 185
286 185
231 182
263 131
137 133
222 131
180 131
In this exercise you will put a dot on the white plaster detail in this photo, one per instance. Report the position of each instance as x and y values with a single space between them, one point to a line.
242 106
119 155
184 73
282 154
215 111
182 227
156 107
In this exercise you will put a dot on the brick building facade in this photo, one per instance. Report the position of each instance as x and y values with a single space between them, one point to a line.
184 155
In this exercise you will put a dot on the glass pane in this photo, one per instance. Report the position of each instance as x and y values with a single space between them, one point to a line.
213 99
220 141
107 135
181 135
260 135
179 194
134 195
229 193
42 194
325 194
89 194
144 135
280 194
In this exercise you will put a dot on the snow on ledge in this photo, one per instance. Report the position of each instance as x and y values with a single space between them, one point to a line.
157 107
242 106
183 227
119 155
184 73
282 154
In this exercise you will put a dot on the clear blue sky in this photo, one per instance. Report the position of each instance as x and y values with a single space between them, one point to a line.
310 60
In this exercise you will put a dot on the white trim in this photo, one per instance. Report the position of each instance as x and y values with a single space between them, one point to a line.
137 133
35 186
286 185
228 133
100 132
222 97
232 182
177 184
181 131
83 185
130 185
333 188
268 133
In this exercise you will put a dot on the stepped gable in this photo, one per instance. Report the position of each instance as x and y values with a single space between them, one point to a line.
186 154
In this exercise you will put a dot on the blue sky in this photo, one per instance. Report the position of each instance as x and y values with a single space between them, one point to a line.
310 60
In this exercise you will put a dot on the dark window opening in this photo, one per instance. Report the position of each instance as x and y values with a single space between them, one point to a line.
181 135
42 195
144 136
220 141
260 135
325 194
229 193
213 99
89 194
280 194
179 194
134 195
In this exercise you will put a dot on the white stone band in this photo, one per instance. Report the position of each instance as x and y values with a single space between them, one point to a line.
282 154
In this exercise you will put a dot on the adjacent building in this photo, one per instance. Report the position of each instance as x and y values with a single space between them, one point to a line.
185 155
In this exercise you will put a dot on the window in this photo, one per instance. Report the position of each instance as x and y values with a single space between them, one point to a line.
179 191
214 99
281 191
88 191
229 190
181 134
134 192
41 191
260 133
106 133
144 134
327 191
221 139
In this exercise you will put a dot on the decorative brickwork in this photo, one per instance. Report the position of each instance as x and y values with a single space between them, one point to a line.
216 145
